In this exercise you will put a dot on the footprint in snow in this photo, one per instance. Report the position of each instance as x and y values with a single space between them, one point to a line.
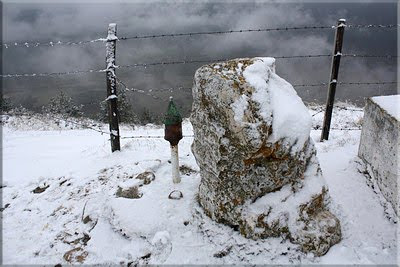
162 247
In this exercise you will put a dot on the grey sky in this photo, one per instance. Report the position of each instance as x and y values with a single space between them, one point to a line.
74 21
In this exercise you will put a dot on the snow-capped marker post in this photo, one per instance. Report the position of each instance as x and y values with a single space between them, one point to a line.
112 86
173 134
337 54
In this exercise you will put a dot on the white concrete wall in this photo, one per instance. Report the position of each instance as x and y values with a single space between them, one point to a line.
379 147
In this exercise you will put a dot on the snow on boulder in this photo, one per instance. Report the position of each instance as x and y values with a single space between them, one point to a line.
258 165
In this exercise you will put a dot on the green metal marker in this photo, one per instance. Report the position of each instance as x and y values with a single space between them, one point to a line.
173 134
173 115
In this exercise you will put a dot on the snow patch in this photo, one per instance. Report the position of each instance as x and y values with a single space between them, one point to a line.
278 99
239 107
291 119
390 103
111 97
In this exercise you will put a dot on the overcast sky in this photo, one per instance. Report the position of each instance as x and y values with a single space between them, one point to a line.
76 22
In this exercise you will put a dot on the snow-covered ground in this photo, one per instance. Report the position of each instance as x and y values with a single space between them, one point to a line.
60 205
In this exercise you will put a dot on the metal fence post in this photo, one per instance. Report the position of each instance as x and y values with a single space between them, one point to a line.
337 53
112 86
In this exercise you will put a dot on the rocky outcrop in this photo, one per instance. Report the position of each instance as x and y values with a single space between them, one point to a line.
259 172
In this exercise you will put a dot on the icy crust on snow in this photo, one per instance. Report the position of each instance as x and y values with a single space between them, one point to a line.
390 103
277 98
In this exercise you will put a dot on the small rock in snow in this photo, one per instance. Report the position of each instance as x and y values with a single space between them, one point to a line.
132 192
147 177
39 189
176 194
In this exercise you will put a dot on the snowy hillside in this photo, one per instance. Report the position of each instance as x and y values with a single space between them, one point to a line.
68 199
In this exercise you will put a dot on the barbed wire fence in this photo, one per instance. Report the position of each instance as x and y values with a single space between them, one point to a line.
153 92
165 63
33 43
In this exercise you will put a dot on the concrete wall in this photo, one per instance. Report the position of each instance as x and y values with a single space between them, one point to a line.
379 147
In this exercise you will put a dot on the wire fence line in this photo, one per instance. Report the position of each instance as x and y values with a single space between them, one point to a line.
227 32
29 44
138 65
83 125
183 88
180 62
54 43
151 136
345 83
33 43
321 27
128 89
370 56
47 74
351 109
99 130
372 26
339 129
149 91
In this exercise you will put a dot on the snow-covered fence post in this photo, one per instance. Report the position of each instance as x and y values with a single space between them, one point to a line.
337 53
173 133
112 86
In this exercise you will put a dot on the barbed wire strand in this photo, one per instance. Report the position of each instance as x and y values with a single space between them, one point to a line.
369 56
33 43
318 127
351 109
371 26
211 60
225 32
180 87
79 124
85 126
151 136
128 89
29 44
316 113
345 83
149 91
339 129
145 65
52 73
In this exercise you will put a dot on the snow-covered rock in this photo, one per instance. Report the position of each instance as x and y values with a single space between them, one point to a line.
258 165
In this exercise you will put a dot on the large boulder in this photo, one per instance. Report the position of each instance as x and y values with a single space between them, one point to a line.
258 165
